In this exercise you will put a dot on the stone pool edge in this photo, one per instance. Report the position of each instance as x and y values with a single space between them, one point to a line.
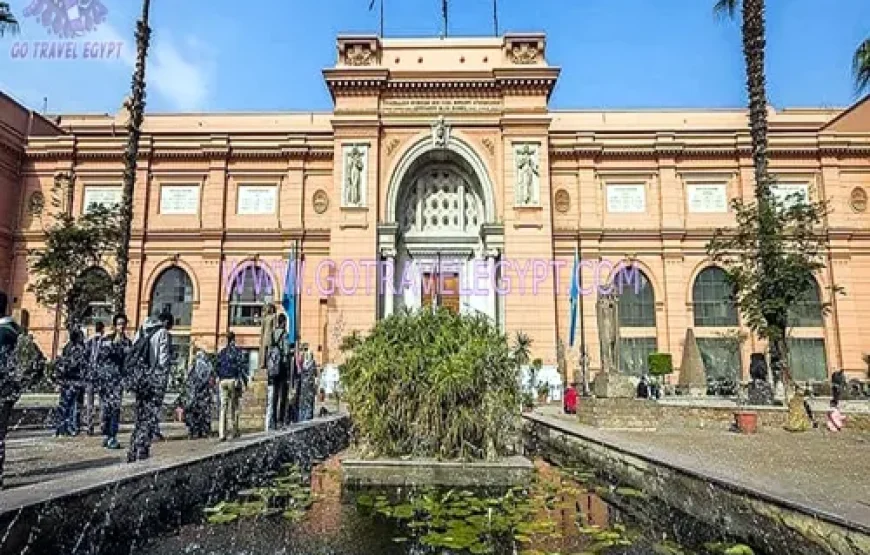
125 504
789 527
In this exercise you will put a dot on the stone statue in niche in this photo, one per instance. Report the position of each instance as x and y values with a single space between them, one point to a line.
527 174
354 166
440 132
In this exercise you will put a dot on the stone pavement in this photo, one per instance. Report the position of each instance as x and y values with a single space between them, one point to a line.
34 456
816 471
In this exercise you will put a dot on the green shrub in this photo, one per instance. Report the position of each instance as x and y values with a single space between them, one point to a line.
432 384
660 364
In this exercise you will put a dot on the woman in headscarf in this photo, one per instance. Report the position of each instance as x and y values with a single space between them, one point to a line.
199 396
308 385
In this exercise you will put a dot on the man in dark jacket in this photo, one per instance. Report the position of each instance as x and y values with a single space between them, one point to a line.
90 388
108 372
70 369
148 379
233 379
21 365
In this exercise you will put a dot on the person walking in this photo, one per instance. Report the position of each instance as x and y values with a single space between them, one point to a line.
838 384
21 365
278 368
232 380
197 411
93 347
307 385
643 389
111 354
147 368
70 369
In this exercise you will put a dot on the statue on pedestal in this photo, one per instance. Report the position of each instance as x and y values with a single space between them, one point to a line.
267 327
609 382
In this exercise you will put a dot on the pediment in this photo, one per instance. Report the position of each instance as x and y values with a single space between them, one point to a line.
855 119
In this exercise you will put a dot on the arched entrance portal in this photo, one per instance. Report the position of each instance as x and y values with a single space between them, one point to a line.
440 239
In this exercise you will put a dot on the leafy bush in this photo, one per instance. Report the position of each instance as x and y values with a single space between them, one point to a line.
660 364
432 384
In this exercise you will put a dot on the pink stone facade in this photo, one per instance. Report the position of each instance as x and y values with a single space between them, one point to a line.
646 186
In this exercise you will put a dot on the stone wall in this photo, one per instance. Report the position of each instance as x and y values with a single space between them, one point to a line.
663 492
637 414
112 509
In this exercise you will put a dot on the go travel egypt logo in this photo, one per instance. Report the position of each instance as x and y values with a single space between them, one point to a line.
69 21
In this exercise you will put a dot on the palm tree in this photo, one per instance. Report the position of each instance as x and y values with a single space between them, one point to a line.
8 23
861 66
754 42
135 105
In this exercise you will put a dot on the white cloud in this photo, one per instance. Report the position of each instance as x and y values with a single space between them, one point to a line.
182 75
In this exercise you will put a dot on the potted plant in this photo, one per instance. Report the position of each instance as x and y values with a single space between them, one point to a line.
528 401
543 392
745 421
660 365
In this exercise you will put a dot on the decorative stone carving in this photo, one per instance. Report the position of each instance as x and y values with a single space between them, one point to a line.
440 132
527 172
524 54
562 201
354 178
858 199
359 55
392 146
320 201
489 145
524 49
440 202
36 203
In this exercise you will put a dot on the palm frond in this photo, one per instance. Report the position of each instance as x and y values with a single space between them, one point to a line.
861 67
726 8
8 23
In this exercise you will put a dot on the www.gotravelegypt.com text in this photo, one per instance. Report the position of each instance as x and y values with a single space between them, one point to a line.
445 277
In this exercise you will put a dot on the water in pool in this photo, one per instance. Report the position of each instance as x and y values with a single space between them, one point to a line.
560 513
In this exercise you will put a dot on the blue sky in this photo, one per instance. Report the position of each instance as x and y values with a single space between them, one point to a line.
267 54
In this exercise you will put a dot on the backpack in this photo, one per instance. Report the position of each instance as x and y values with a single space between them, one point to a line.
137 364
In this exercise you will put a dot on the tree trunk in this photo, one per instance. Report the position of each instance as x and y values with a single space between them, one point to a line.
136 108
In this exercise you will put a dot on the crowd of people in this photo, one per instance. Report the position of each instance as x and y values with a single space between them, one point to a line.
93 374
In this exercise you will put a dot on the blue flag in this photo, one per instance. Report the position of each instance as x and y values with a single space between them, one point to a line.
574 298
289 301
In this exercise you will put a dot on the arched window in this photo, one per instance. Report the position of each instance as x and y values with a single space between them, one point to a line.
98 289
173 292
807 313
637 320
251 289
637 305
711 297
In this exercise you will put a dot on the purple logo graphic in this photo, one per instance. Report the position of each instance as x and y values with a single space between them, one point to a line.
68 19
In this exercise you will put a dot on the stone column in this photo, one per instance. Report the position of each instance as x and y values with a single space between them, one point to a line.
388 289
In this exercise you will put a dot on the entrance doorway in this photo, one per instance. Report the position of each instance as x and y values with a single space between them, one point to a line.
444 287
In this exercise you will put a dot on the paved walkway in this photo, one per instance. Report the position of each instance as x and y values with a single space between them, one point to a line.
821 472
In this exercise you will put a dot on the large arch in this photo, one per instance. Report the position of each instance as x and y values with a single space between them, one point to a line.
440 224
418 150
173 290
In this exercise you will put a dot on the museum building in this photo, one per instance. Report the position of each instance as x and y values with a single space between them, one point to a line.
442 155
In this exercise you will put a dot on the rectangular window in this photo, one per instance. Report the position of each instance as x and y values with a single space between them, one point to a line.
807 359
721 356
108 196
246 314
633 354
790 193
179 199
626 199
257 199
707 198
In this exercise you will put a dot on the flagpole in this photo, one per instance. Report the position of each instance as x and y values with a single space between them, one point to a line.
382 18
495 15
444 14
584 356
